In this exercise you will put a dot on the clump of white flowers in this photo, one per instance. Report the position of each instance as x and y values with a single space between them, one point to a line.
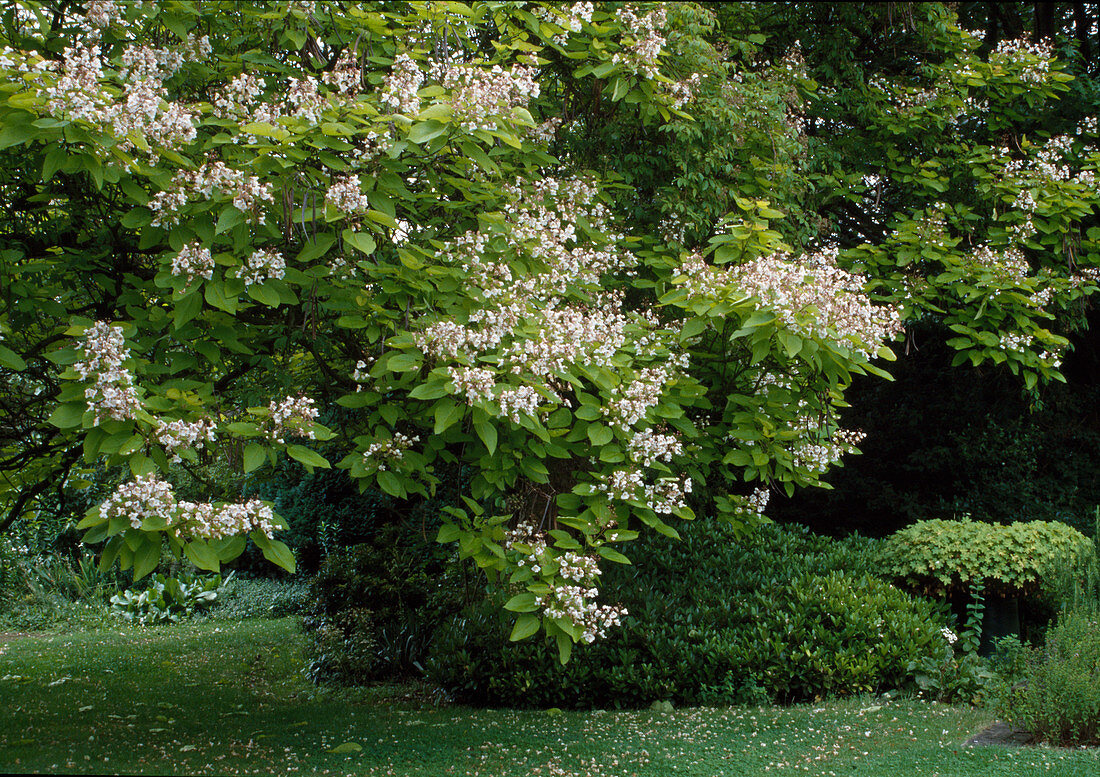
262 265
345 194
383 453
193 261
291 416
180 435
570 578
247 192
112 393
148 497
400 88
144 497
642 40
478 95
1032 59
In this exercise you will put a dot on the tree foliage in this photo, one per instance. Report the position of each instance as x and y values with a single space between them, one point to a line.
587 256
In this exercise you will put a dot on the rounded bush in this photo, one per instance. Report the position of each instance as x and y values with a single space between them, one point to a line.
938 557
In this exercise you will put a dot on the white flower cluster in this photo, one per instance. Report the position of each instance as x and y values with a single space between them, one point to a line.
648 446
99 14
811 296
683 92
238 98
479 95
112 395
1033 59
76 94
642 40
814 450
246 190
519 401
571 17
544 134
305 98
577 604
632 401
759 500
192 262
1009 262
361 374
292 415
210 522
383 453
346 77
261 265
144 112
347 197
143 497
474 383
400 88
663 496
949 635
572 593
178 435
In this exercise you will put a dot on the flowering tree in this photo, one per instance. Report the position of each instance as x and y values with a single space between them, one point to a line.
225 221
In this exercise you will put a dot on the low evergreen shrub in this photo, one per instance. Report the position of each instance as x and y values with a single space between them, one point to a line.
714 618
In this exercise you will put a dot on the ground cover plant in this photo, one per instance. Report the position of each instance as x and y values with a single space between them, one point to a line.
224 698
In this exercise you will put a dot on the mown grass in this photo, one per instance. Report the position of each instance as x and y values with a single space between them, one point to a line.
215 697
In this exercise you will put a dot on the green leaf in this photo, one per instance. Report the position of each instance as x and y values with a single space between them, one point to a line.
347 747
526 625
228 548
279 554
524 602
600 434
11 360
146 556
202 555
565 648
360 241
391 484
488 434
188 306
424 131
448 532
308 457
254 457
68 415
447 413
264 294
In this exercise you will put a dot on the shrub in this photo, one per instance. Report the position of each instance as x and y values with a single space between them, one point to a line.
938 557
1059 699
713 618
376 606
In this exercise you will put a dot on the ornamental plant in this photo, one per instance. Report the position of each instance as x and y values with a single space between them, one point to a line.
938 556
226 219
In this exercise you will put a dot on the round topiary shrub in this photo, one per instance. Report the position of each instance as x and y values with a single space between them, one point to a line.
939 557
714 618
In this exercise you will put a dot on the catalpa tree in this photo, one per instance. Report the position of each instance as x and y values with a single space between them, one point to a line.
228 222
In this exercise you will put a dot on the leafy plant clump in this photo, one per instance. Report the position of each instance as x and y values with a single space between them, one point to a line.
779 615
167 599
938 557
1059 698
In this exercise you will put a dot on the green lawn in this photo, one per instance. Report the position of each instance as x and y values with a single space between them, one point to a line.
229 698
